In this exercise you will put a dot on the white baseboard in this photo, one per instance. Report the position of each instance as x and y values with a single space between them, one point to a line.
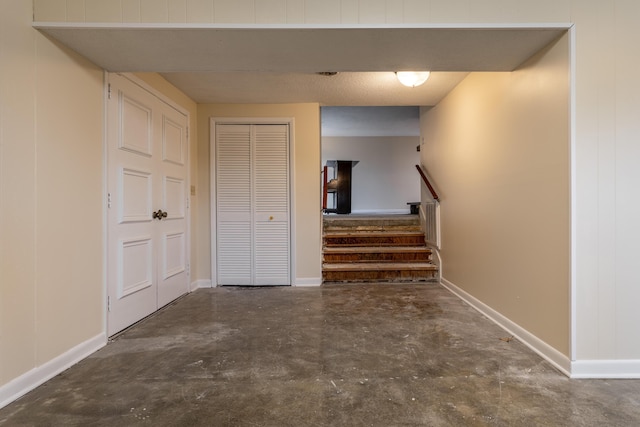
308 281
206 283
39 375
198 284
553 356
605 368
382 212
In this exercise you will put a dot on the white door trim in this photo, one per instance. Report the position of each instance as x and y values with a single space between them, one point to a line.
213 121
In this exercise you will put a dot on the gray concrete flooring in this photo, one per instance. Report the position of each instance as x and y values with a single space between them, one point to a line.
340 355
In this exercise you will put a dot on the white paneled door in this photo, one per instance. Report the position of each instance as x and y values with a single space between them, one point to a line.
252 204
147 203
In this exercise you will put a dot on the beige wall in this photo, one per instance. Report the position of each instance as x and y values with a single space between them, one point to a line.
497 148
51 204
158 83
306 169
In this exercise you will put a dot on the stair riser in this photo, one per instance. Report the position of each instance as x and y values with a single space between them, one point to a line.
378 257
386 224
380 276
417 240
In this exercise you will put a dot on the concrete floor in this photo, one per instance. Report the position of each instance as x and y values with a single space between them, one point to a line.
340 355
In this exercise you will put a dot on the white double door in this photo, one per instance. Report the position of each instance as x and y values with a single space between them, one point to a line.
252 204
147 197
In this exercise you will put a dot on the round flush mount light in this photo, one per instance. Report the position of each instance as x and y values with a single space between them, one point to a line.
412 78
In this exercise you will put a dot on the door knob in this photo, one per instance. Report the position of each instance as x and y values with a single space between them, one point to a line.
160 214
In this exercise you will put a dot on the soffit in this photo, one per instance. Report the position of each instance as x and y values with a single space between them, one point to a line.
217 64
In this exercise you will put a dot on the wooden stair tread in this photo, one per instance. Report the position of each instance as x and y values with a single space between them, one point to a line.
375 249
415 266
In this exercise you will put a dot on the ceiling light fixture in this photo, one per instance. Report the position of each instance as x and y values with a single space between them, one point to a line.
412 78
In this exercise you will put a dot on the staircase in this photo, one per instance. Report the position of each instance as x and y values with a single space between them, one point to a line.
359 248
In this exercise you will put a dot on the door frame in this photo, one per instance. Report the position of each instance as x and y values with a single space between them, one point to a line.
213 121
105 188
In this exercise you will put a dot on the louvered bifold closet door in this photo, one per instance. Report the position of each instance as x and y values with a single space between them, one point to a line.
234 206
271 204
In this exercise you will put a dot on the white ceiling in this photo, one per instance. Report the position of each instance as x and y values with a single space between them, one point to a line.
351 88
218 64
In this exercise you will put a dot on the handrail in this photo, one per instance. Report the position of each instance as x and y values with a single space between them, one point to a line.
426 181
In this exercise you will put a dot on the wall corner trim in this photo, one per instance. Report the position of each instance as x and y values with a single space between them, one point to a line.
606 368
550 354
37 376
308 282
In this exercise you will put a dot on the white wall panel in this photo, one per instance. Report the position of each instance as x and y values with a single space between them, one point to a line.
131 10
604 293
200 11
349 12
605 189
233 11
103 10
587 258
324 12
416 11
627 179
450 11
490 11
304 11
394 10
50 10
75 11
372 11
542 11
295 12
271 11
154 11
177 11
